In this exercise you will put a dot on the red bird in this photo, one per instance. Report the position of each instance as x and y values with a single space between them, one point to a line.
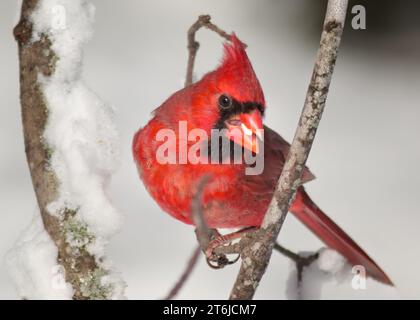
229 98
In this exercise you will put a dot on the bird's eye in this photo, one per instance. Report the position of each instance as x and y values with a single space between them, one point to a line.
225 101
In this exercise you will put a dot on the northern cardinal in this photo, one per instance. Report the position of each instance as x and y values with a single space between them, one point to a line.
230 98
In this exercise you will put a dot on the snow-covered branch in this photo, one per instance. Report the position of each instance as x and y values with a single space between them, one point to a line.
71 147
257 247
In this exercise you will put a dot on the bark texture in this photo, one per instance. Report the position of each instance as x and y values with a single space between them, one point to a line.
36 57
257 247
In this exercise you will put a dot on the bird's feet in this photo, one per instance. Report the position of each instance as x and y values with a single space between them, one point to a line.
217 261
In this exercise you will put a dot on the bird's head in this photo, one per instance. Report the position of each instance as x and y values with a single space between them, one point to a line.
231 98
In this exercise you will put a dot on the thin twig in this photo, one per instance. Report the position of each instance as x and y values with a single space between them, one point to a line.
185 275
300 261
286 252
203 232
257 247
203 21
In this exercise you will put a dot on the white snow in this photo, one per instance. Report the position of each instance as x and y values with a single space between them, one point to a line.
330 261
331 277
32 263
80 128
81 135
114 280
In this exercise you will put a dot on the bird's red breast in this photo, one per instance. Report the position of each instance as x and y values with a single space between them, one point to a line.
231 198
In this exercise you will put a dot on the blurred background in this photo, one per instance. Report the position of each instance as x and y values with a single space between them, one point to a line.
364 156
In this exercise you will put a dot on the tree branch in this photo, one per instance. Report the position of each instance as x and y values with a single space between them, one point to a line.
185 275
34 118
36 57
204 235
203 21
202 231
301 261
257 247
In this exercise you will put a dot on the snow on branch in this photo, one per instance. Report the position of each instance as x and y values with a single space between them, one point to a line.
321 278
71 145
33 266
257 247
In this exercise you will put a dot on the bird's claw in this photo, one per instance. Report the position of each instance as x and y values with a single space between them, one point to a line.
219 261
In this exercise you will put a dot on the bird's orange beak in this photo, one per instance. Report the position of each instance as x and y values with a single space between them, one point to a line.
246 130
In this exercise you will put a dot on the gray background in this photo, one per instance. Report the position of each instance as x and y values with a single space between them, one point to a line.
365 155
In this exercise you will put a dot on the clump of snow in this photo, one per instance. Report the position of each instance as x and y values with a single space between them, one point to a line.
69 25
80 128
331 277
330 261
32 263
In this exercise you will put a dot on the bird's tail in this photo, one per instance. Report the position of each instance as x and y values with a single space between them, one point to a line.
333 236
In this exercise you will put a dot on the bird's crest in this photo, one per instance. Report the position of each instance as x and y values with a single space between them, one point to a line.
236 75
